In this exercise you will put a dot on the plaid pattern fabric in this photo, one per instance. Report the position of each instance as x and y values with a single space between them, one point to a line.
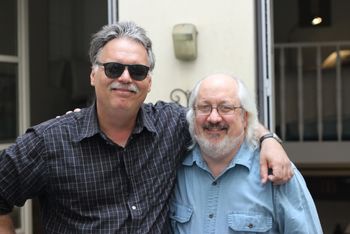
88 184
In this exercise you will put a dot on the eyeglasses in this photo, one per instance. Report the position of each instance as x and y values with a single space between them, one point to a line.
114 70
221 109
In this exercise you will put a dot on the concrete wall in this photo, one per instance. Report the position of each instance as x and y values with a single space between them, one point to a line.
226 40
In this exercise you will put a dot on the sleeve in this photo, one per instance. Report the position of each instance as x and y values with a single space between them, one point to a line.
295 209
22 171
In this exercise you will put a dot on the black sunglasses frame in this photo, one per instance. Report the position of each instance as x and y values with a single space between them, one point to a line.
114 70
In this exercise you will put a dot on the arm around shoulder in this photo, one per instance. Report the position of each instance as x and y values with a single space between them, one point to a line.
274 157
296 211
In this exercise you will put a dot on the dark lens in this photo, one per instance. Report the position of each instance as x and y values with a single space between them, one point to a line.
114 70
138 71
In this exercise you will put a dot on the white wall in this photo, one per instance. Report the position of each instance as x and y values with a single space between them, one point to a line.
226 40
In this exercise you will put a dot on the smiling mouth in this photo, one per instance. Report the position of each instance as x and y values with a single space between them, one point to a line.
215 128
123 90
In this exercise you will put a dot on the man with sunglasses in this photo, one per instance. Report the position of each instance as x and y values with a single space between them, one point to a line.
218 187
111 167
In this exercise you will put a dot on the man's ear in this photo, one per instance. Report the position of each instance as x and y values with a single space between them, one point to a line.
92 77
150 84
245 119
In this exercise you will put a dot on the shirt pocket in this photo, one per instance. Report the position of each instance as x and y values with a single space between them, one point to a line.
252 222
180 213
180 216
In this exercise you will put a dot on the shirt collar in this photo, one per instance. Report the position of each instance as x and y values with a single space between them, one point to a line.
87 121
90 127
144 120
244 157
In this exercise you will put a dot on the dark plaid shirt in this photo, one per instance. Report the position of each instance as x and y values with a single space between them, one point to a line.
88 184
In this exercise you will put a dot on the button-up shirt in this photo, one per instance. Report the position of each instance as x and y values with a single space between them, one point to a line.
86 183
237 202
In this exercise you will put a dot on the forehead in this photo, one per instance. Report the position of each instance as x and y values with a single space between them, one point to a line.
218 89
121 48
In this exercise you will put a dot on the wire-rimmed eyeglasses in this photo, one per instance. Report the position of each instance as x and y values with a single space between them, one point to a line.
223 109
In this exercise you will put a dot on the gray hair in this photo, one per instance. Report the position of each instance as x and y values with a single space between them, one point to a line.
247 102
125 29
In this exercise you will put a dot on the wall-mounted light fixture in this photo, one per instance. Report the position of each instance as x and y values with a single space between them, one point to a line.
316 20
185 41
314 13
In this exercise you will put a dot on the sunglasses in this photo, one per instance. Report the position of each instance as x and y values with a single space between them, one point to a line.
114 70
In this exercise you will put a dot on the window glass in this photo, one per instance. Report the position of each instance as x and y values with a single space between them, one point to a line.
8 102
8 27
59 39
60 69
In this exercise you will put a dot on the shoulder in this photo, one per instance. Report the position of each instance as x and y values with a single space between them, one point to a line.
70 126
168 120
163 111
296 187
64 121
164 107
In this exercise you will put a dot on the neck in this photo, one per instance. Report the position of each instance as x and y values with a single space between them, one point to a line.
218 160
218 163
117 125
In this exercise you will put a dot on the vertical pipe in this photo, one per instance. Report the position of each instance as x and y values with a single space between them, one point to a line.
24 96
112 11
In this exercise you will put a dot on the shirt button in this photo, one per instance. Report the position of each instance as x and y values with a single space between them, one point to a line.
214 183
211 216
133 207
250 225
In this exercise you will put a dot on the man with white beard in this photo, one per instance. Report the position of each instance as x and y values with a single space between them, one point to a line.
218 187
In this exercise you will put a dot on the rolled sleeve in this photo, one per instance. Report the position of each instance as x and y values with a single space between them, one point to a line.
5 208
296 209
21 171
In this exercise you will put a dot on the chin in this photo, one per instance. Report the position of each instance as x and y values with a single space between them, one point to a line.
120 106
215 139
218 146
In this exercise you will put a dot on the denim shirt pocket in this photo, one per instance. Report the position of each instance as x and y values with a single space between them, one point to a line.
180 216
180 213
249 222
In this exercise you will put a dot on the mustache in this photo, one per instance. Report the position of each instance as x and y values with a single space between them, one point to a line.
218 126
129 87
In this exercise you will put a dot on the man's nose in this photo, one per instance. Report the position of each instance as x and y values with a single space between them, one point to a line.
214 116
125 77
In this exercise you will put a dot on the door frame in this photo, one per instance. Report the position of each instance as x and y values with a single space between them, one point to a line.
265 66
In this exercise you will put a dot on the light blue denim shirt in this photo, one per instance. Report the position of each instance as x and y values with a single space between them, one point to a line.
237 201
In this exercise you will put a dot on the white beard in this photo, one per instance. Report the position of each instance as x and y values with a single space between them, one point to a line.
219 149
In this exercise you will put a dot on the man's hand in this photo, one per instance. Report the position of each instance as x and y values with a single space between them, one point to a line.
68 112
6 225
274 157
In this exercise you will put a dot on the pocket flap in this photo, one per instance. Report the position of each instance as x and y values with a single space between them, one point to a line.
249 222
180 213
